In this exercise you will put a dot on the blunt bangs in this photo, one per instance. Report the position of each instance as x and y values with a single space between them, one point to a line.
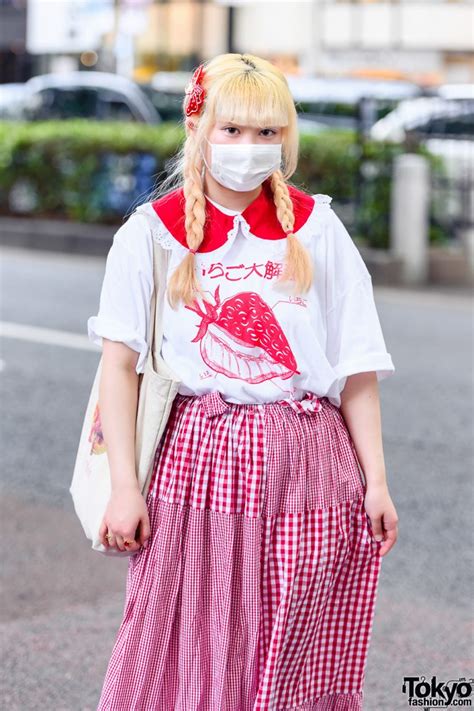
249 100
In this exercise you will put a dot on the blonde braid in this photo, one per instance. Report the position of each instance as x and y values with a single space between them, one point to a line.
184 283
298 262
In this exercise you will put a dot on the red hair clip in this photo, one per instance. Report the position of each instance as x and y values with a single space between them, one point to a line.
195 93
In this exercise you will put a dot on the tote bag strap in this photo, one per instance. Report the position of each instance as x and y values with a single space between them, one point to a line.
161 257
160 268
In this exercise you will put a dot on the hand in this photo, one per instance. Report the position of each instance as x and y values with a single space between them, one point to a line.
126 516
383 515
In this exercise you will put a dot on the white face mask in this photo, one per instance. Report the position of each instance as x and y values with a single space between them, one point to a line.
243 166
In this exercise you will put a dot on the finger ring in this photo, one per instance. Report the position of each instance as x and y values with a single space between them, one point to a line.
127 542
109 535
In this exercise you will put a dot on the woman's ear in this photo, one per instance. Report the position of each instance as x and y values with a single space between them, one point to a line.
190 125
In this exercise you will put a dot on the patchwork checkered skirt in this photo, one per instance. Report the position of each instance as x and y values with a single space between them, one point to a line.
258 587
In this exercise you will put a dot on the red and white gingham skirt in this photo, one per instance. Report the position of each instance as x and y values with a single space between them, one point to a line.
258 586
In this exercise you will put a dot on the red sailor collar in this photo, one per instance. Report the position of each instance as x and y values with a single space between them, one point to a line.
260 216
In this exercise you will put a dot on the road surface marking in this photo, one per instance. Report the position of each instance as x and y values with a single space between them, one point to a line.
49 336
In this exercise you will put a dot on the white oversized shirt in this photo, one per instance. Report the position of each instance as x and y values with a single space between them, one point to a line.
252 341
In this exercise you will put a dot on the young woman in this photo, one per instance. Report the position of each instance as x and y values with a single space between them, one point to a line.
259 542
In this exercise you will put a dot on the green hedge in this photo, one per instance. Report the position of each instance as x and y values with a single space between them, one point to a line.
59 161
60 167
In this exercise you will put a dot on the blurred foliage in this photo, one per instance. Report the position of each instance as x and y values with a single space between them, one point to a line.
79 169
95 171
328 164
373 184
338 164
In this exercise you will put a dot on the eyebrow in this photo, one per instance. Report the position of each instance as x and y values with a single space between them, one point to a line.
237 125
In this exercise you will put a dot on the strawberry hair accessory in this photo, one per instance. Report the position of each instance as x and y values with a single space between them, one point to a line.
195 93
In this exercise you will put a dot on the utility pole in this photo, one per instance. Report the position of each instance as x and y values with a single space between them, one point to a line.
123 44
230 28
313 62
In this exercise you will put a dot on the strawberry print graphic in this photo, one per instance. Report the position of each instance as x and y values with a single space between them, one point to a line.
241 338
96 437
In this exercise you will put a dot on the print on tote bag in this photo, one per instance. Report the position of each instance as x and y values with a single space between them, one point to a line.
96 436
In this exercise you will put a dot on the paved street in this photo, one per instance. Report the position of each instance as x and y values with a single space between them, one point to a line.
62 603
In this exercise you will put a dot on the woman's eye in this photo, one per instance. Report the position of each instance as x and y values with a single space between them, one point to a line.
264 130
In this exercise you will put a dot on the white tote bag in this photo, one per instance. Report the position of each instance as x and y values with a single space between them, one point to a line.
91 483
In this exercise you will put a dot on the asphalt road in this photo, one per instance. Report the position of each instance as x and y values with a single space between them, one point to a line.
62 603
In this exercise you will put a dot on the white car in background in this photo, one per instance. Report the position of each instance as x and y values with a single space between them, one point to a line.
456 92
337 101
445 126
79 94
427 116
12 98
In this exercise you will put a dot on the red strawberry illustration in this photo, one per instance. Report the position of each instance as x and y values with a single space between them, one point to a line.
241 338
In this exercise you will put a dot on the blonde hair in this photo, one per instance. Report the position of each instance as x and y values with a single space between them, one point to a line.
249 91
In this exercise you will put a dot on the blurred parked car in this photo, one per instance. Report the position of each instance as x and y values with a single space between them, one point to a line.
446 128
427 116
166 93
456 92
12 97
336 101
89 94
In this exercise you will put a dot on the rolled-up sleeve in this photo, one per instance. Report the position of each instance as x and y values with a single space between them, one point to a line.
355 341
125 297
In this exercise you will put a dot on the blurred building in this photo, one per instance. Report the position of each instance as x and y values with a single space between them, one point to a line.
426 40
15 61
429 41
